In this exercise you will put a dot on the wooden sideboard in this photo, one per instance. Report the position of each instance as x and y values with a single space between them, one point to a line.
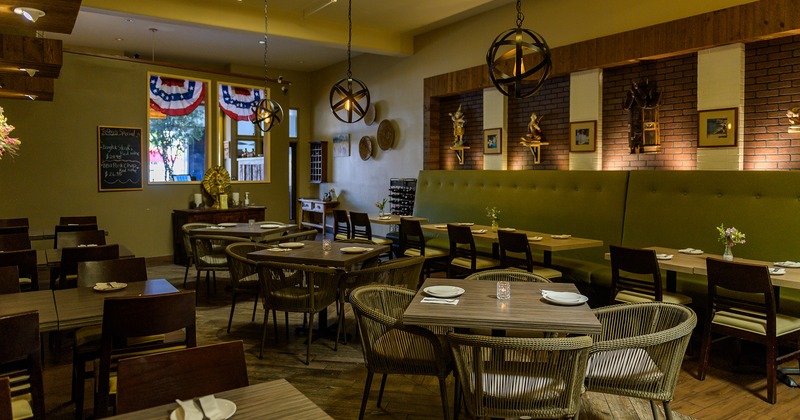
181 217
313 213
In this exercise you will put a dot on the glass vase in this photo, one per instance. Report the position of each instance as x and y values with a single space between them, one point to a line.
495 225
728 254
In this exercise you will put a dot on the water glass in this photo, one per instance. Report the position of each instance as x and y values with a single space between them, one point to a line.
251 223
326 245
503 290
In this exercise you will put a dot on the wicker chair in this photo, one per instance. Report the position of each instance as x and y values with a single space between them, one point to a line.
209 256
508 275
305 235
515 377
639 351
391 347
187 245
244 278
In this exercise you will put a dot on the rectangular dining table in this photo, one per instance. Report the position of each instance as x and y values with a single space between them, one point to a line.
276 399
41 301
393 219
311 253
244 230
479 307
544 242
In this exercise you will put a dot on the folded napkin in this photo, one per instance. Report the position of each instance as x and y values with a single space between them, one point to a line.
440 226
691 251
190 410
562 236
279 249
216 227
209 406
429 299
109 285
790 264
664 256
777 271
479 231
535 238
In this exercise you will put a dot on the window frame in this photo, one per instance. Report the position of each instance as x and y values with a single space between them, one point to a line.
222 131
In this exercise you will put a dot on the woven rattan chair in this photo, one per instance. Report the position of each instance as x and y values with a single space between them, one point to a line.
639 351
390 347
305 235
296 288
508 275
209 256
741 303
186 230
244 278
515 251
636 277
516 377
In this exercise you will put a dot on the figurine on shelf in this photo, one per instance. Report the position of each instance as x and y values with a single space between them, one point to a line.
794 118
458 127
535 134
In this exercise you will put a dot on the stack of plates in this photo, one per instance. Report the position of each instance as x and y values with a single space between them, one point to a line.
788 264
691 251
444 291
564 298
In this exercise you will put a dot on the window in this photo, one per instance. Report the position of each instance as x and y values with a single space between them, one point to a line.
246 149
292 123
177 126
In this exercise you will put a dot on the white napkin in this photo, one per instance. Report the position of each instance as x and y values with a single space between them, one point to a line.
440 226
691 251
209 406
110 285
535 238
777 271
279 249
562 236
216 227
439 300
790 264
190 411
664 256
479 231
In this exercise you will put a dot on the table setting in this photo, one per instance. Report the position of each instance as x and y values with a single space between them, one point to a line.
207 407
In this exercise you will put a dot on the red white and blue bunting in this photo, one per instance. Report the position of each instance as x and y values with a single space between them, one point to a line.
239 102
175 97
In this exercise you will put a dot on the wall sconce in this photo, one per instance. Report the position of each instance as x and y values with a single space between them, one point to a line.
31 72
794 118
29 13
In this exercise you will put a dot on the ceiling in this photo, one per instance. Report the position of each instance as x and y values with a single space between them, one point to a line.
302 36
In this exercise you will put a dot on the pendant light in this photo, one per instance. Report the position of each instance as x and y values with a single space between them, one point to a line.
506 60
266 113
349 97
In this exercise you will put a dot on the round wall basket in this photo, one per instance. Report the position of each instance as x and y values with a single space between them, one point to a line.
369 116
385 135
365 147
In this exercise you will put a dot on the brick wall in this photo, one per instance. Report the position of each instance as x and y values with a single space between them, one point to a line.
677 79
472 107
772 86
552 104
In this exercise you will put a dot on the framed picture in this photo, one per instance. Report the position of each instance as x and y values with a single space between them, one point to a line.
717 128
582 136
341 145
492 139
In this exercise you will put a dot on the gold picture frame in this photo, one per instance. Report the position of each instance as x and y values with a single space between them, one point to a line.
493 141
582 136
718 127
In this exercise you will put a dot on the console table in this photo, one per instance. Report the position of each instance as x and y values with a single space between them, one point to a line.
313 213
181 217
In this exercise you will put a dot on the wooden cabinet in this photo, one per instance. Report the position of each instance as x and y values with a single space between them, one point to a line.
319 162
313 213
181 217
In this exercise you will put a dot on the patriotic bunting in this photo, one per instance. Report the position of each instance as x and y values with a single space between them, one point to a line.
175 97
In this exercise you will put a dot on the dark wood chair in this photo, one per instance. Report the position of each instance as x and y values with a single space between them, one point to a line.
139 316
341 225
636 277
6 410
412 244
15 241
70 257
21 361
463 257
81 237
25 261
244 278
156 379
78 220
70 228
515 251
186 231
361 228
9 279
16 225
741 303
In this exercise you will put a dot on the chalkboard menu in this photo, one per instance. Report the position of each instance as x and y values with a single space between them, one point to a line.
119 158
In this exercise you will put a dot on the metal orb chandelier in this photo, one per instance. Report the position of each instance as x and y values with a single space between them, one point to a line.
266 113
349 97
519 60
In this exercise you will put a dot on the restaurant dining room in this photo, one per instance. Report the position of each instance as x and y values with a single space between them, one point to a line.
501 208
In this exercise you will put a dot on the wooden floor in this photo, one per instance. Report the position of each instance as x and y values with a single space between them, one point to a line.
334 380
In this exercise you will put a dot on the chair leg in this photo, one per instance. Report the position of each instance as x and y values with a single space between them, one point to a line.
286 316
772 373
457 395
186 274
367 386
667 410
78 382
310 336
264 334
654 409
443 392
255 308
274 323
214 274
380 393
233 306
704 350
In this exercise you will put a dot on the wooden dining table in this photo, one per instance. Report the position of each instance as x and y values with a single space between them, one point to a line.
545 242
244 230
393 219
41 301
51 257
311 253
276 399
479 307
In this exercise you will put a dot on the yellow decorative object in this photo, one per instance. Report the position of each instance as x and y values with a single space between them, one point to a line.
216 181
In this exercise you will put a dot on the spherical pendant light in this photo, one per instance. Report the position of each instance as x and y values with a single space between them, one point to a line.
266 113
349 97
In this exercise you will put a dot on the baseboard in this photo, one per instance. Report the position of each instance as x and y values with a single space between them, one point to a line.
161 260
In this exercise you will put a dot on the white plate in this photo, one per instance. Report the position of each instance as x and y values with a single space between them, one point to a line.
691 251
565 298
535 238
466 224
355 249
507 229
270 226
777 271
664 256
226 224
226 410
444 291
479 231
788 264
384 217
441 226
561 236
109 287
291 245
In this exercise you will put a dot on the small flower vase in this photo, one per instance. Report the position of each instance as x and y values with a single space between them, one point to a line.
728 254
381 213
495 225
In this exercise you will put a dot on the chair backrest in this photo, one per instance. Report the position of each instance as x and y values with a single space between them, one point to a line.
139 316
15 241
316 287
462 244
9 279
15 222
636 270
411 236
516 377
341 224
21 344
402 272
511 243
70 228
123 270
5 399
741 278
305 235
78 220
25 261
187 241
81 237
70 257
238 264
209 250
152 380
512 274
360 225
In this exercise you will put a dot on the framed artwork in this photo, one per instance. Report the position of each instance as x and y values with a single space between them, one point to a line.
582 136
341 145
492 139
717 128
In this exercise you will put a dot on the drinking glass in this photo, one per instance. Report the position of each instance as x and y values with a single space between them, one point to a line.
326 245
503 290
251 223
